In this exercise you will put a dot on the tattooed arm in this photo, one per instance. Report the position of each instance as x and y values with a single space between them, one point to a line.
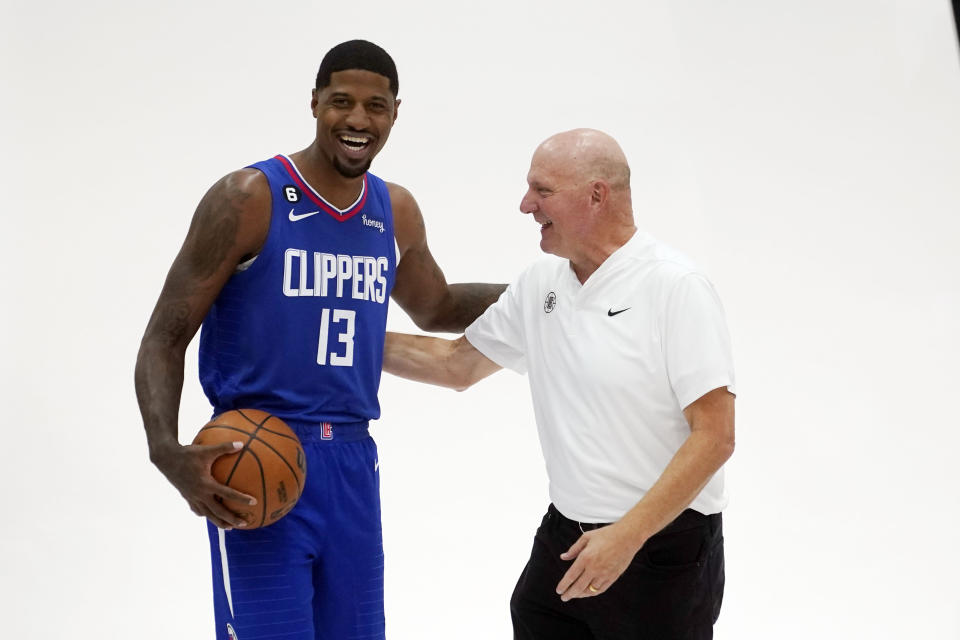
229 226
421 288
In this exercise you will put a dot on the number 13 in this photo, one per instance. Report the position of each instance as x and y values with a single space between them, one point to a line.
337 360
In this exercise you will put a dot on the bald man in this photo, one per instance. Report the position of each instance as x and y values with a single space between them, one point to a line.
632 382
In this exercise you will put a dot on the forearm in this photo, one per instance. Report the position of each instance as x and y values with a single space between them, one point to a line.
455 364
688 472
463 303
159 382
422 359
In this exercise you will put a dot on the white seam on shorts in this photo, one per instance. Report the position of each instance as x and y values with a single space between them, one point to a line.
226 567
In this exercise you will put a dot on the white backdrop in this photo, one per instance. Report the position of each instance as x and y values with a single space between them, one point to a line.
806 154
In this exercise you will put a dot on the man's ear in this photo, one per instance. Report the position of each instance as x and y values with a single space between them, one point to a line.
599 192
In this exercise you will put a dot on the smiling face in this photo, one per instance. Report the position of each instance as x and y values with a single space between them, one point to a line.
354 113
559 201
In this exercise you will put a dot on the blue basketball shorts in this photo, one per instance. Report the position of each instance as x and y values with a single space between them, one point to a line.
317 573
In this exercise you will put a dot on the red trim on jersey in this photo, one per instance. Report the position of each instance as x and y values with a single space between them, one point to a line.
305 188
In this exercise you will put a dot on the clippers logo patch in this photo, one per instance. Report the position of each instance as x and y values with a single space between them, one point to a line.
326 431
231 633
550 303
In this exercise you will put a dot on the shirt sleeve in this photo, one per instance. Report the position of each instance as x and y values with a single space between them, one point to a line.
499 332
696 340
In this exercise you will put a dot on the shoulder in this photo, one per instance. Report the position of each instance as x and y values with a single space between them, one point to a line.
683 283
243 194
244 186
408 226
666 263
401 199
239 203
666 276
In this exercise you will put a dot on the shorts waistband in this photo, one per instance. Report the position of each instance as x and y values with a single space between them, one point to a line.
332 432
688 519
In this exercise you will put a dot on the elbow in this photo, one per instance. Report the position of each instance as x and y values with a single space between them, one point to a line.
148 352
428 317
425 323
717 446
461 385
436 324
461 380
153 348
726 446
440 317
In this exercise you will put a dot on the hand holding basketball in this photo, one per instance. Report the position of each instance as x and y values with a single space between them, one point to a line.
269 465
188 468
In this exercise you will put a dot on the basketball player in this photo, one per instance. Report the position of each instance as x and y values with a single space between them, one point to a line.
289 264
631 376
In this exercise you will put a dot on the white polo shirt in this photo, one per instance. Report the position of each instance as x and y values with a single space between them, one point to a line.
612 364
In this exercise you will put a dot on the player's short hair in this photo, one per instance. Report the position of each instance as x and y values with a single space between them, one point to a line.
358 54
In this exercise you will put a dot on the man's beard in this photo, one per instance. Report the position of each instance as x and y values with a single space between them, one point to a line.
350 172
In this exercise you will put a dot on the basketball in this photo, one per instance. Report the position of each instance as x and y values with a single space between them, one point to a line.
270 467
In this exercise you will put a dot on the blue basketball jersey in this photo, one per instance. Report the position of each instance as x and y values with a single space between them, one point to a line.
299 331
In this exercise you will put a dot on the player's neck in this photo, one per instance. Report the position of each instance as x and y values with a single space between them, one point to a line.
320 174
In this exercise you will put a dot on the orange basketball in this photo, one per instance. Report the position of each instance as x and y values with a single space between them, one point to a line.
270 467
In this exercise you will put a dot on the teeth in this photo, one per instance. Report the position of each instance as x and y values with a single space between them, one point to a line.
354 141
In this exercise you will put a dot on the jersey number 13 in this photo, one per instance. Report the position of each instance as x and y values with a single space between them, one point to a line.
348 318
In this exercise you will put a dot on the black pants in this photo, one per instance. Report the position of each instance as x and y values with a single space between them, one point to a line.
672 589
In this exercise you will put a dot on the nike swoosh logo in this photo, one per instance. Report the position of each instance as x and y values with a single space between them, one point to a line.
294 218
612 313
